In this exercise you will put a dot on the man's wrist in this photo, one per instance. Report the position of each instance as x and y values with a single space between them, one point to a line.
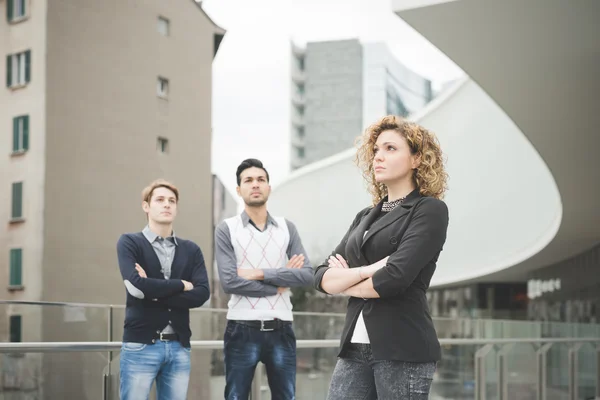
258 274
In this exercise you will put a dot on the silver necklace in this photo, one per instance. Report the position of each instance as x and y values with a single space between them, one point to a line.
390 205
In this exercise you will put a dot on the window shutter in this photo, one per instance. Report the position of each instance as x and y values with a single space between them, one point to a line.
17 200
28 66
16 267
15 133
15 328
8 71
25 144
9 10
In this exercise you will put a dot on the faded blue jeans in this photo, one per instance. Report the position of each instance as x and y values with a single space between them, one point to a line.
167 362
246 346
357 376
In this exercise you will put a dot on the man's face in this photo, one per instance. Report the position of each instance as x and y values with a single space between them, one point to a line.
162 208
254 188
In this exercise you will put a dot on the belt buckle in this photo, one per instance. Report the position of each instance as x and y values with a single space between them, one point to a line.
262 327
160 337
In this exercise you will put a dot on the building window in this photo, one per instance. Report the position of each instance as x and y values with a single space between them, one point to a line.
301 132
300 89
17 201
18 69
162 87
394 104
15 328
21 134
15 10
162 145
300 152
163 26
300 110
300 62
16 265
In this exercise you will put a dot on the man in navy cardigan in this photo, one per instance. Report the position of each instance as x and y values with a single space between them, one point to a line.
164 276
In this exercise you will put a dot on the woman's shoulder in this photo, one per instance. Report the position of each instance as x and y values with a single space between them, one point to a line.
432 205
364 212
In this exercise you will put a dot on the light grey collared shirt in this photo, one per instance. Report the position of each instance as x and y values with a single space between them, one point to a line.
165 251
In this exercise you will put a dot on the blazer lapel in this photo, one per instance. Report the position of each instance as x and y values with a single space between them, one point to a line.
392 216
359 232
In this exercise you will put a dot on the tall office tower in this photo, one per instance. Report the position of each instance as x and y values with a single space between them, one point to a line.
339 88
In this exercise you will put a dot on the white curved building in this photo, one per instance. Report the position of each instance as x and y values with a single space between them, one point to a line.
522 147
491 166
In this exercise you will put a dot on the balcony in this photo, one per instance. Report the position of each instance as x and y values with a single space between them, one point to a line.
298 97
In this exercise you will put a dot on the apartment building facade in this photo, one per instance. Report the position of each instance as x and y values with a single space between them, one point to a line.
100 98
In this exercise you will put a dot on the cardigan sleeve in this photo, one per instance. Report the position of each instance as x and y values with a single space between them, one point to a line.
136 285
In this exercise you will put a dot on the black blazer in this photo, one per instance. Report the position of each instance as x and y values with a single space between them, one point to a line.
398 323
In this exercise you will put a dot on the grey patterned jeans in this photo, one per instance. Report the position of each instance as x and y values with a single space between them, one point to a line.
358 377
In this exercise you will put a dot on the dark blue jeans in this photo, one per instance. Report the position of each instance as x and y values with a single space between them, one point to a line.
246 346
357 376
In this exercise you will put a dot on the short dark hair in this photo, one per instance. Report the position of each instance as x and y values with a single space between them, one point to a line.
249 163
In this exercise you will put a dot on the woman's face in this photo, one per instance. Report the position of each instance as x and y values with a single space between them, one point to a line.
392 161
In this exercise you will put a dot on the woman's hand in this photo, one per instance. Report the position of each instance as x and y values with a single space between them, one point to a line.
341 278
337 262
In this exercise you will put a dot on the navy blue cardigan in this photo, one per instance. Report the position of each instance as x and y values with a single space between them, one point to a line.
160 301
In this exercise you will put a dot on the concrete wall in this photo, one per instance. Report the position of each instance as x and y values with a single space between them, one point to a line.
104 118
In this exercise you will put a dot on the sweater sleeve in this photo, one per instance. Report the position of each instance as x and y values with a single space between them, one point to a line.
136 285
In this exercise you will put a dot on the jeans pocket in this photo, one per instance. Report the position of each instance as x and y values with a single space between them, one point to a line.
289 334
132 346
187 349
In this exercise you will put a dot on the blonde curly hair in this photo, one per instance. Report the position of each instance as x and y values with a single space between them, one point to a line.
430 177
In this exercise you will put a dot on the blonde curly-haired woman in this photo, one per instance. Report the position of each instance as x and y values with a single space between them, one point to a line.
389 346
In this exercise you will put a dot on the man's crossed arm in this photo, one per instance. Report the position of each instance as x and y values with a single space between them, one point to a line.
260 282
171 292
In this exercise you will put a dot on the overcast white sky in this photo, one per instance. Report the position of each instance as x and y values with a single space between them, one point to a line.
251 80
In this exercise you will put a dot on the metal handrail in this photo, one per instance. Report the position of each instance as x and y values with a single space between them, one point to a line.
53 347
299 313
122 306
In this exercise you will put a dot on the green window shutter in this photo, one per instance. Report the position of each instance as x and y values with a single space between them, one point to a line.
9 10
15 328
16 134
16 267
23 10
8 71
17 200
25 144
28 66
